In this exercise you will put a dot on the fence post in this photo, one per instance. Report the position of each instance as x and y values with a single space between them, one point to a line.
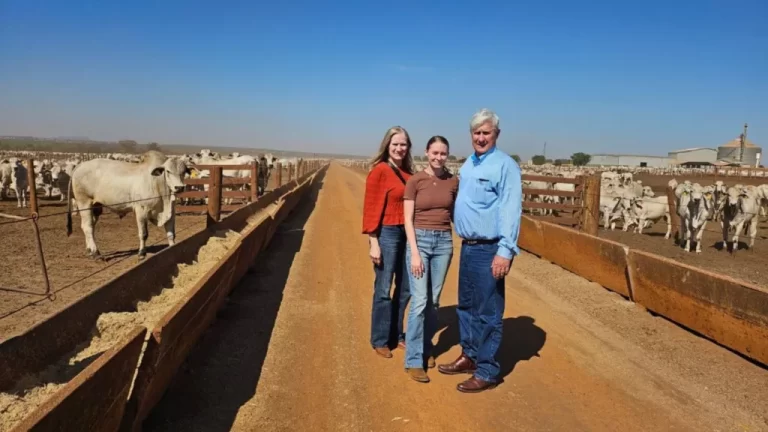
214 196
290 172
674 217
254 181
279 177
591 210
32 186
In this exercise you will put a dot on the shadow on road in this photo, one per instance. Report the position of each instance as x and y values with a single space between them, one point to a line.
521 339
222 372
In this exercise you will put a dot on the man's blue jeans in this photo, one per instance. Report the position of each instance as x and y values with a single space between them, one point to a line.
481 308
389 311
436 249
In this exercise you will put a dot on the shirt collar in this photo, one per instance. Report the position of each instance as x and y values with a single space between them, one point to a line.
478 160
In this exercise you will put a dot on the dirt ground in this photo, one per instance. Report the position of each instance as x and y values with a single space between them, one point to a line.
746 264
290 351
72 274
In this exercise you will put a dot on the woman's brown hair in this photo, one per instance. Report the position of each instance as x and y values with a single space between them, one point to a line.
440 139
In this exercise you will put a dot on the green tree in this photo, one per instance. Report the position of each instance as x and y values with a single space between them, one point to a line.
516 158
580 158
153 146
539 160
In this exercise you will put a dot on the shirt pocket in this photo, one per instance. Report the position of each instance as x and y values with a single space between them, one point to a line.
483 191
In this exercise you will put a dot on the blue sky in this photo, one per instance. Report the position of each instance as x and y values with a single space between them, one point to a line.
593 76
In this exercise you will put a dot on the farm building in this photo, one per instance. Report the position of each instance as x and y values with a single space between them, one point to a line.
730 152
632 160
696 156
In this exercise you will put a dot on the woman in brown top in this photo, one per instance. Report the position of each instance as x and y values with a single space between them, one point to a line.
429 197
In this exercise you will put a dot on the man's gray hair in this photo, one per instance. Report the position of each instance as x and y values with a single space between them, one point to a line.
483 116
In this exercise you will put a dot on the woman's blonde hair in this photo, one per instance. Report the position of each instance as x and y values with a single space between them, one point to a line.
383 153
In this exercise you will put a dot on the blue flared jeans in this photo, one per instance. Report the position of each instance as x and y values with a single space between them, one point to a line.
388 311
436 250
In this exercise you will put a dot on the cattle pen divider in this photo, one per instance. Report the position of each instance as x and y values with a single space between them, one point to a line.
728 311
583 210
217 181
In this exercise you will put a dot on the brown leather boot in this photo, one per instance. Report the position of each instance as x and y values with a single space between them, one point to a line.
475 385
463 364
417 374
383 351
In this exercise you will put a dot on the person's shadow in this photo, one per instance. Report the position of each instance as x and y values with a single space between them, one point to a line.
521 339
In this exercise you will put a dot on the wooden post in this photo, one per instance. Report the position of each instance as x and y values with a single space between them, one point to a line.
591 210
214 196
675 218
254 181
290 172
32 186
279 177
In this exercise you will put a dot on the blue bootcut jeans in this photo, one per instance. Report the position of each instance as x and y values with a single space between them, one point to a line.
480 309
436 250
388 311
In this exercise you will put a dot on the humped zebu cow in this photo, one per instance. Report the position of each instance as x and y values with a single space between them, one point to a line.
741 207
148 188
19 183
6 174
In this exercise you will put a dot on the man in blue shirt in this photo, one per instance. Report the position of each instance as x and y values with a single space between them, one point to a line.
487 218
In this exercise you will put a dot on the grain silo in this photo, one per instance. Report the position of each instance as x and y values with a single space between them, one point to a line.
731 150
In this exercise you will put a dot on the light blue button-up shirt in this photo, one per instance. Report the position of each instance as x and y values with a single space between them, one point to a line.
489 202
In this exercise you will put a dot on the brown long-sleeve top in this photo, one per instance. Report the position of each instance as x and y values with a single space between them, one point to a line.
383 198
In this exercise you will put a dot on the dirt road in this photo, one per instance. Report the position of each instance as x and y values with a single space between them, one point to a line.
290 351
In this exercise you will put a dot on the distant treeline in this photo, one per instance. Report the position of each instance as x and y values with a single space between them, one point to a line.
130 146
20 144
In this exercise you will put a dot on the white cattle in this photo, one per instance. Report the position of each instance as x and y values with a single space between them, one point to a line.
695 205
762 195
564 187
147 188
266 165
6 177
719 195
19 183
615 204
60 176
741 208
650 209
626 178
610 177
539 185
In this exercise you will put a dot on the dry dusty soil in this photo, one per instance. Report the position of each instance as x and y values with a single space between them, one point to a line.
72 274
290 351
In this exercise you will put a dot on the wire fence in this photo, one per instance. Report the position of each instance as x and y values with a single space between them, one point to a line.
51 294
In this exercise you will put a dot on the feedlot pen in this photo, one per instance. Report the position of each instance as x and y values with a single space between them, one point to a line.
72 274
